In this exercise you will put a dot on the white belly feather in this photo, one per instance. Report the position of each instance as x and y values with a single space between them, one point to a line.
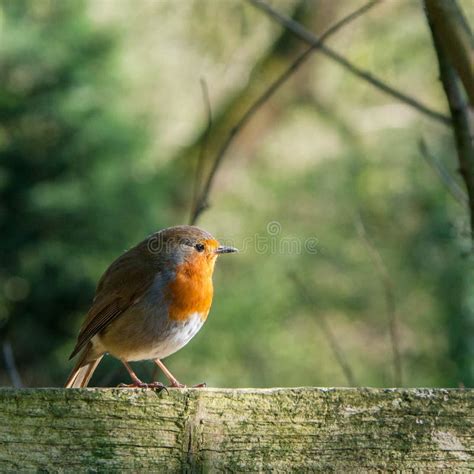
165 343
179 336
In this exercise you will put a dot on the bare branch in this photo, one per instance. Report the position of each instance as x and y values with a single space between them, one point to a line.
450 183
298 30
461 113
327 331
456 39
197 207
387 284
10 365
201 203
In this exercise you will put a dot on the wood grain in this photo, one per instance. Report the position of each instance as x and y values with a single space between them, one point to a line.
213 430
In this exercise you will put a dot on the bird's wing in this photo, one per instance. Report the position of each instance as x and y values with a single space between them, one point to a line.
123 284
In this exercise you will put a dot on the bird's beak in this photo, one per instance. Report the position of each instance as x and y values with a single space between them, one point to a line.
224 249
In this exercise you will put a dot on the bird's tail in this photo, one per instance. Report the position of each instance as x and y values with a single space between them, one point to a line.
84 368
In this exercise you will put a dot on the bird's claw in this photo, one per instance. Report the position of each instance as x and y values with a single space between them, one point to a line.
158 386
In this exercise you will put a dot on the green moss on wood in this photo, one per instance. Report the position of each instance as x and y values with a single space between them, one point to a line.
206 430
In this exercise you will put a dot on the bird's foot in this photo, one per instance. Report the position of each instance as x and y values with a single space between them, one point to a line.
158 386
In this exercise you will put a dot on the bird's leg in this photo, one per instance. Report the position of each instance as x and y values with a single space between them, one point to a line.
137 382
173 381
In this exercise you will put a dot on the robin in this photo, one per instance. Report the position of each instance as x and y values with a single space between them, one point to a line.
149 303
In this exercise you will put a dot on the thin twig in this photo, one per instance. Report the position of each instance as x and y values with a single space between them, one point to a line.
327 331
10 365
202 151
353 143
387 284
450 183
298 30
201 203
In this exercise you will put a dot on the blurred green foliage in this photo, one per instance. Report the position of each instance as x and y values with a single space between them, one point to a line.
70 199
100 119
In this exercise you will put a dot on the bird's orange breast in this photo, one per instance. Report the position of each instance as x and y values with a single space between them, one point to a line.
190 291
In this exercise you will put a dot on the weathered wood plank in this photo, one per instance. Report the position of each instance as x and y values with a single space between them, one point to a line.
301 429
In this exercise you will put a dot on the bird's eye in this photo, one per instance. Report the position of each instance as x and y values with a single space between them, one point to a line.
199 247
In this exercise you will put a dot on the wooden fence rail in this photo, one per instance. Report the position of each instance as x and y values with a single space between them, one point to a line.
236 430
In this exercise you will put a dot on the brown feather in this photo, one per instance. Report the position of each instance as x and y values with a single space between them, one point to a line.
84 368
121 286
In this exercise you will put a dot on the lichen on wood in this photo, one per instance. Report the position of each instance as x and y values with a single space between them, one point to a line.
236 430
